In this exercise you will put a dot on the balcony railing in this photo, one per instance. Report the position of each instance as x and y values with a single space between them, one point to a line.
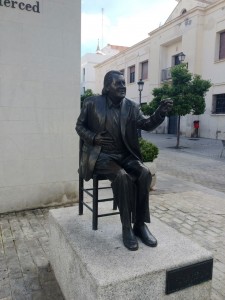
166 74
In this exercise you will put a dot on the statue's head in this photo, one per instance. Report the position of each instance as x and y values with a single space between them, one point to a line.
114 86
108 79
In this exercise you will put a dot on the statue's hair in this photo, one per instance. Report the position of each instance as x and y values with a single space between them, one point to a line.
108 80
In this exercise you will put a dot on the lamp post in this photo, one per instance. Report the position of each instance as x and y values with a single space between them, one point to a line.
181 57
140 88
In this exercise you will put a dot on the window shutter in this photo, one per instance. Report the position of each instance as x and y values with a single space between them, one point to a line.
144 70
222 45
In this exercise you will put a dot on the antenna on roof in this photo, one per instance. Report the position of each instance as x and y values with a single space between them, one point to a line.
102 25
98 51
98 48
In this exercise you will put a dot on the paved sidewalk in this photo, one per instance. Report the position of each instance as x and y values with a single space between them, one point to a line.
198 161
189 197
204 147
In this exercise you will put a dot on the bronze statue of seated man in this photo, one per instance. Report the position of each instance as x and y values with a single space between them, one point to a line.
108 125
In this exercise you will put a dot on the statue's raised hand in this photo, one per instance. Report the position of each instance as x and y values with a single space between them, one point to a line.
165 106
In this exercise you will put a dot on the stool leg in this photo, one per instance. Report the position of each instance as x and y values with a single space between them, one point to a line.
95 204
114 205
81 195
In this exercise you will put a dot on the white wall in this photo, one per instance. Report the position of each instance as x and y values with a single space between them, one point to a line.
39 104
211 125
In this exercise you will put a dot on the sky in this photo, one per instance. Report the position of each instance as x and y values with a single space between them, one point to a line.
125 22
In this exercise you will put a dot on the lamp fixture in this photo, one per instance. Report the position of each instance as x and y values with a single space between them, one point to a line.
140 85
181 57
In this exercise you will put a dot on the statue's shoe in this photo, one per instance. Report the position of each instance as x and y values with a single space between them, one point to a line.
145 235
129 239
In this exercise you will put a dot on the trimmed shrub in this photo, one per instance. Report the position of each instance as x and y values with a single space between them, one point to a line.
149 151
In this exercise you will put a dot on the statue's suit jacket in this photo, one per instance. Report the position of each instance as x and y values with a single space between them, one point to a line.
92 121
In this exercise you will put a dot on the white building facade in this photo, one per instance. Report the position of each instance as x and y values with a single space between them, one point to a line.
39 102
196 28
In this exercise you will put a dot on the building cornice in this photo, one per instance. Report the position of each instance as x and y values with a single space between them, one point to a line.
177 20
124 52
184 16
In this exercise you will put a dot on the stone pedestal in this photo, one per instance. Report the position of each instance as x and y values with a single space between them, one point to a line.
94 265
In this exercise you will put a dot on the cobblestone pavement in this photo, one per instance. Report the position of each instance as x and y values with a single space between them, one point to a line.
189 197
198 161
25 272
197 212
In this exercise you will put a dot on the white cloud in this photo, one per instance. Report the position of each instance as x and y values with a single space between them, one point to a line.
90 27
125 30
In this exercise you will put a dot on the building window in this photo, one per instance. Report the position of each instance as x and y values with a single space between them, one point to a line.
219 104
222 46
131 74
144 70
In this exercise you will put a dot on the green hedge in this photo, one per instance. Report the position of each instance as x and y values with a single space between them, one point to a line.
149 151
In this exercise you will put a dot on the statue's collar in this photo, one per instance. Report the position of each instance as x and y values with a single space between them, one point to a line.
111 104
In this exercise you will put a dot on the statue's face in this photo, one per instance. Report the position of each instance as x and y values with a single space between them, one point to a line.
117 88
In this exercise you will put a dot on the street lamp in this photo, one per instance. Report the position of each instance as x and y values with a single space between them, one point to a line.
140 88
181 57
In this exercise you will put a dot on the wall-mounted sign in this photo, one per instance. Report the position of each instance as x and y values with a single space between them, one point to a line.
21 5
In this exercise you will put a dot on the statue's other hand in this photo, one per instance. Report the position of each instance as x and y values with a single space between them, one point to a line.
165 106
103 139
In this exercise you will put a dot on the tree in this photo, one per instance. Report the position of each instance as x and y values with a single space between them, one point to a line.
86 94
187 91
